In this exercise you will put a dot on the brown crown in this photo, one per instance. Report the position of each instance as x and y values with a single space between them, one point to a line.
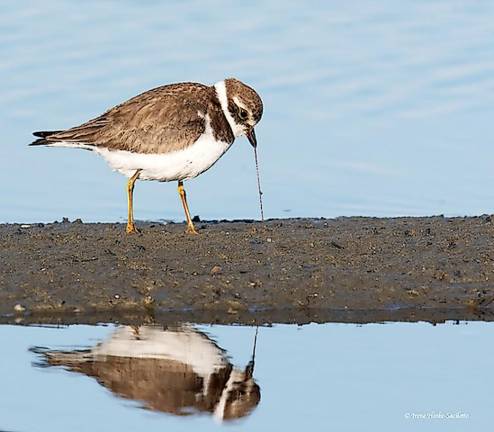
246 94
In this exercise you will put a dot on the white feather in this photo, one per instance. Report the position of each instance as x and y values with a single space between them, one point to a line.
177 165
220 88
70 144
187 346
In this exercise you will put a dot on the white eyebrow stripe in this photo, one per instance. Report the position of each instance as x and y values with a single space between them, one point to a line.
239 103
250 120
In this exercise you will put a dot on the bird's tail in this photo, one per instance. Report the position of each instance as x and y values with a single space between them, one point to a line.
42 137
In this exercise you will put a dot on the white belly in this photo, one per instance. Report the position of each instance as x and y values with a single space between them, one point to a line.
178 165
187 345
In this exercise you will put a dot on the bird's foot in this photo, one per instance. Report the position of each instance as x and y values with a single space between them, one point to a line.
131 229
191 230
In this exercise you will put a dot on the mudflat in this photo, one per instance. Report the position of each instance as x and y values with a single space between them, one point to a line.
283 270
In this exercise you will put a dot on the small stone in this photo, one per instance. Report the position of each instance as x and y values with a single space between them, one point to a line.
336 245
19 308
234 307
452 244
148 301
117 296
216 270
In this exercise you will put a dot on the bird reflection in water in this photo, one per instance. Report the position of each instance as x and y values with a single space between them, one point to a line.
178 370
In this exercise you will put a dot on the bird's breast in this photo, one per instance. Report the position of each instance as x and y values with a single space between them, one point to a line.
176 165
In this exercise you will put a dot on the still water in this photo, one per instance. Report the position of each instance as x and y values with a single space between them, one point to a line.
371 107
346 377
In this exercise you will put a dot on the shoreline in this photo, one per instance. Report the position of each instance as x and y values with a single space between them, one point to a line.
280 271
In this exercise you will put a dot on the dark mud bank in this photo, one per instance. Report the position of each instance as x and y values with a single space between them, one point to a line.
346 269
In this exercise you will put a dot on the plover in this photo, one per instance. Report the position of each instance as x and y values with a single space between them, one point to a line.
171 133
179 370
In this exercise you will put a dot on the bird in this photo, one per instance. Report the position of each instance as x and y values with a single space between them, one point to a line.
174 132
178 370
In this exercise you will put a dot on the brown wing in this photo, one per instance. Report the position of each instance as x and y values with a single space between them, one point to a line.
158 121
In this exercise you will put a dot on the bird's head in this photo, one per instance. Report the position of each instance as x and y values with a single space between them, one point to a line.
242 107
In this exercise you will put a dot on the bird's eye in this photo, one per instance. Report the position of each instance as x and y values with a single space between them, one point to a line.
243 114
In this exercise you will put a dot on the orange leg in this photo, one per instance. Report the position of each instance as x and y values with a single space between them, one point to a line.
131 228
190 226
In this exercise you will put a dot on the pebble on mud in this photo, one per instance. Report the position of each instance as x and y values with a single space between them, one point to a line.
216 270
19 308
148 301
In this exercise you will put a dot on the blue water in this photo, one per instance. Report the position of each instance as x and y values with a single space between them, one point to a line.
371 108
316 377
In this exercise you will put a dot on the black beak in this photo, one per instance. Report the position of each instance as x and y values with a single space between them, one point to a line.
249 370
251 135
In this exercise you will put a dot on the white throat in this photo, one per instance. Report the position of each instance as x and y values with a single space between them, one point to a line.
219 410
220 88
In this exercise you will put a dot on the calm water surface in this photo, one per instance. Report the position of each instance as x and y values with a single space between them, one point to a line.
194 377
372 107
379 108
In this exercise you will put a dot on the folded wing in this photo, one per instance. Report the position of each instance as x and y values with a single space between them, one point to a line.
161 120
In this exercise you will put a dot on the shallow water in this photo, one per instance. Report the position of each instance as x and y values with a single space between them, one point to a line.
323 377
372 108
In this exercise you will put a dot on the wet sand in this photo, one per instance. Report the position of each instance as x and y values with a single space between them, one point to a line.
290 270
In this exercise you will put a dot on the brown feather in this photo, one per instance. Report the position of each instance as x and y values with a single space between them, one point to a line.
161 120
